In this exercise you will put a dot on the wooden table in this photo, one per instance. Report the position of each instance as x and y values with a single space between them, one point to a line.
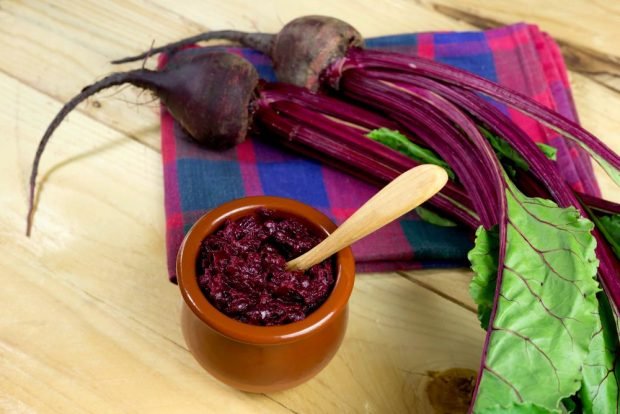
88 320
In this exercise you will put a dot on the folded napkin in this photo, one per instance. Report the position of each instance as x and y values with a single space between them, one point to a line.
519 56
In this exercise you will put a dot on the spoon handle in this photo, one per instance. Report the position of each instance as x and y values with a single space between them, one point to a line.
401 195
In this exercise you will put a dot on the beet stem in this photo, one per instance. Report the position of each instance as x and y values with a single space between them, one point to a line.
287 111
598 204
262 42
141 78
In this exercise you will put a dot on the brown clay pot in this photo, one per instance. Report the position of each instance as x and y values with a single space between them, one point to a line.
261 358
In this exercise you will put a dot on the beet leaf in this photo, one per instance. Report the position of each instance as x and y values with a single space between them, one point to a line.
504 150
544 315
550 151
431 217
483 259
402 144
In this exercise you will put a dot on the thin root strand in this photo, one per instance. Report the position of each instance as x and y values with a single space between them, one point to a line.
136 77
258 41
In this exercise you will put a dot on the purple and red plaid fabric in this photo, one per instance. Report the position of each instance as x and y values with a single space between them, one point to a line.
519 56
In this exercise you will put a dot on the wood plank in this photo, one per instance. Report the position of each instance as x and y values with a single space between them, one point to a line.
452 284
593 24
76 50
399 331
396 15
89 321
59 47
588 42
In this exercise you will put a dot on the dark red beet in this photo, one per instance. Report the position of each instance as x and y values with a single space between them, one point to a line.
307 45
207 93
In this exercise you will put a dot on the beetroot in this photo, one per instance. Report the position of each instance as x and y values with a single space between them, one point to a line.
207 93
306 46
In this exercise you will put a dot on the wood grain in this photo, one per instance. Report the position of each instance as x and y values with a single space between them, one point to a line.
89 322
588 48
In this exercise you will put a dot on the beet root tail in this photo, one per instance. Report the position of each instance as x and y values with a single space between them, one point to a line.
263 42
208 93
139 78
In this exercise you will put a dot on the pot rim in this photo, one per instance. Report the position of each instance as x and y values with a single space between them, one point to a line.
240 331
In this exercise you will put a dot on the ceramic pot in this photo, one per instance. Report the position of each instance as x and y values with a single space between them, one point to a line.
261 358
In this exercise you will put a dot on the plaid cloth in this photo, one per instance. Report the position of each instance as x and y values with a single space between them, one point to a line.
519 56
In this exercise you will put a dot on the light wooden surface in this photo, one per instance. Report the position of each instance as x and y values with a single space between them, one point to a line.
88 321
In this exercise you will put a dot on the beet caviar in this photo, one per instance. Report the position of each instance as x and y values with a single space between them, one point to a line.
241 270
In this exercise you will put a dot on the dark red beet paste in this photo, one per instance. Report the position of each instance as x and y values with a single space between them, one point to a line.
241 270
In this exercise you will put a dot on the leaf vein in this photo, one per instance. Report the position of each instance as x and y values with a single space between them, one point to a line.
541 254
542 303
538 348
505 381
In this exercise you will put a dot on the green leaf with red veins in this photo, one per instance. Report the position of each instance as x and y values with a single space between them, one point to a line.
431 217
546 308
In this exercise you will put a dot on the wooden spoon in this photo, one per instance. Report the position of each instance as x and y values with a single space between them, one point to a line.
401 195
